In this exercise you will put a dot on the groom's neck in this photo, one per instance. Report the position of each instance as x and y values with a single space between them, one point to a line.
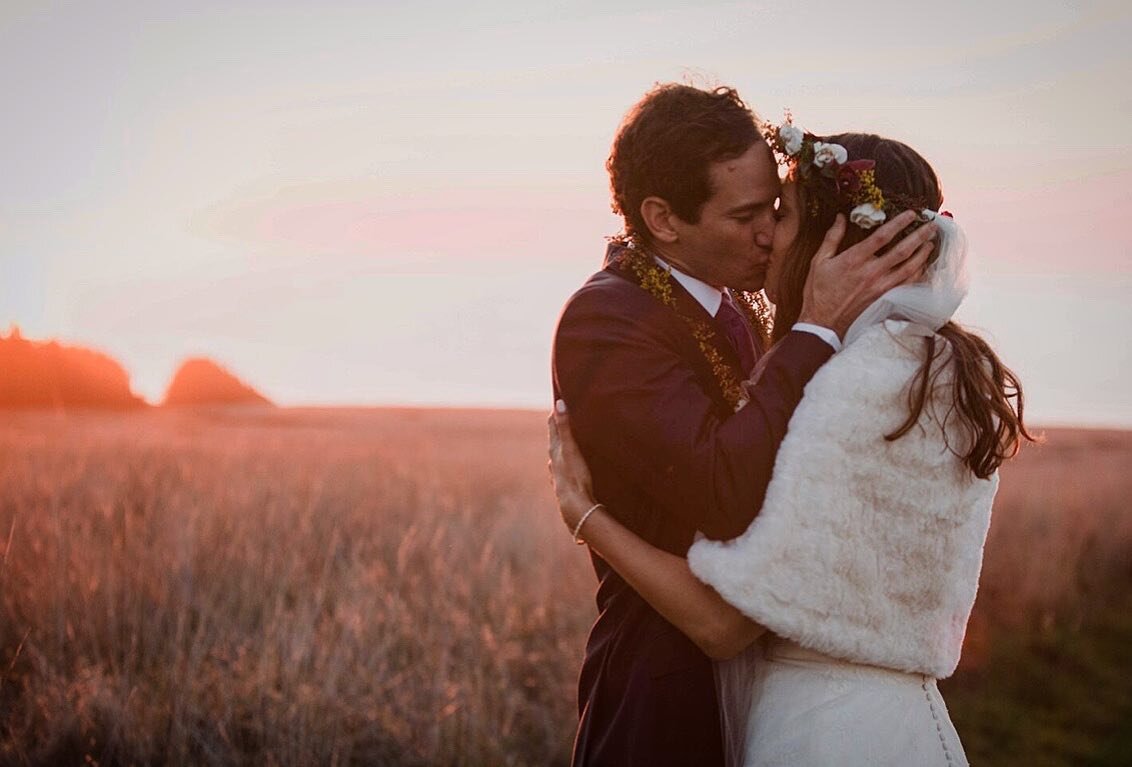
677 260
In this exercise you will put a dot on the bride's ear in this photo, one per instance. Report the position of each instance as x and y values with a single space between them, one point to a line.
658 216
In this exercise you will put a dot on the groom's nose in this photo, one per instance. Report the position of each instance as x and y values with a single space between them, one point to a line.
764 230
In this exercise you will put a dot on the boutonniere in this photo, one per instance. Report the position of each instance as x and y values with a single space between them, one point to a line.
659 283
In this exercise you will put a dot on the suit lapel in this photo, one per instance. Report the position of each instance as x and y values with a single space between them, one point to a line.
688 308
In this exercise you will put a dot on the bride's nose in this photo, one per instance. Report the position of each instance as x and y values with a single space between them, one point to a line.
764 239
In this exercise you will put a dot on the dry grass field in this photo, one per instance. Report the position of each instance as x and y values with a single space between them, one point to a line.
293 587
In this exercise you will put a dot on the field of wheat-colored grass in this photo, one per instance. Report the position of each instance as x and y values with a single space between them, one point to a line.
324 586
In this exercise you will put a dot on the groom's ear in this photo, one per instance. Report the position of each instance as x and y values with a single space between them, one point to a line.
658 216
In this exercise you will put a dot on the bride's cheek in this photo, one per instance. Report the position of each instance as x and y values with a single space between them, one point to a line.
771 286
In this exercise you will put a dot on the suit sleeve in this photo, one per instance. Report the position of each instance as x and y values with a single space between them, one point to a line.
635 404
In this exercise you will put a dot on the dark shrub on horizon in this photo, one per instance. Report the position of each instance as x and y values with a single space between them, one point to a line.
47 374
200 381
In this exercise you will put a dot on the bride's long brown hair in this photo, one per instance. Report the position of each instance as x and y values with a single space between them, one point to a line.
986 395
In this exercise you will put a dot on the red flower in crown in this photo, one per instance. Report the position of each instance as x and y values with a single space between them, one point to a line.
849 179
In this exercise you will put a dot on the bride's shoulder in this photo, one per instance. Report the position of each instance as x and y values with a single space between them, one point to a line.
890 338
870 376
889 349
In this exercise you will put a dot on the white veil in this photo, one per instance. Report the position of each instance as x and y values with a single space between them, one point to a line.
930 302
734 684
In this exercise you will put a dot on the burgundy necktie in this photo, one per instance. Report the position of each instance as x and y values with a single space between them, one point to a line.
738 331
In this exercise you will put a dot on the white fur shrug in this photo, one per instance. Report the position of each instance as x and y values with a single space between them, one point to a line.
865 549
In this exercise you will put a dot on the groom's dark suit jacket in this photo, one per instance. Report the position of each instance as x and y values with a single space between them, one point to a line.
668 458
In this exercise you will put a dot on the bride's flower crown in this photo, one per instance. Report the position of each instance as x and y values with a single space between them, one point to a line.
857 189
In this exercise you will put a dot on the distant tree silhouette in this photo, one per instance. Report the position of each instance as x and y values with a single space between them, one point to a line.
200 381
35 374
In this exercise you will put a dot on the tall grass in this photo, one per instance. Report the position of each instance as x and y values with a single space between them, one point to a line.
1060 543
1044 678
304 588
386 587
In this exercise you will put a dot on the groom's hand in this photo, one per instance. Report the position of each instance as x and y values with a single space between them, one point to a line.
842 285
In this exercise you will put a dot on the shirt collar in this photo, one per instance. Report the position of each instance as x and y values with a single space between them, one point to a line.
708 297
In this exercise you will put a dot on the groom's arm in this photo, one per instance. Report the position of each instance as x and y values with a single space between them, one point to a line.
636 405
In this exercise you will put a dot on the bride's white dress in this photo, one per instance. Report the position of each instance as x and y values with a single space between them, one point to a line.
807 709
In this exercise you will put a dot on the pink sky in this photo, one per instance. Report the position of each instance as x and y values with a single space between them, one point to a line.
350 204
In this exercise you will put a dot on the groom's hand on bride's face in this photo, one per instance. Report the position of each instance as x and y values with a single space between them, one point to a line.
842 285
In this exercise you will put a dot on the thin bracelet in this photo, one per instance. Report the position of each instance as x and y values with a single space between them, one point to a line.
582 521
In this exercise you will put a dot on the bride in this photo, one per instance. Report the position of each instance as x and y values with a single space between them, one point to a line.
833 615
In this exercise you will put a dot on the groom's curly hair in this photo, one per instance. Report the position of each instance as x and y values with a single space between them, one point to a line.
666 144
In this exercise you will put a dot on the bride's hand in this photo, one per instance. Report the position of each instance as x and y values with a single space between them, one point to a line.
568 470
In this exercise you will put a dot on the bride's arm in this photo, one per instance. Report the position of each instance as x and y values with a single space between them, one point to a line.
662 579
665 581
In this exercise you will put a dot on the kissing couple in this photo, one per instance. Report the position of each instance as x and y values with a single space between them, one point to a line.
785 509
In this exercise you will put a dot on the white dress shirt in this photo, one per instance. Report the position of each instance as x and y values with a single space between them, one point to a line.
710 298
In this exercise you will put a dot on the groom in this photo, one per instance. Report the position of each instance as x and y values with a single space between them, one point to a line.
647 355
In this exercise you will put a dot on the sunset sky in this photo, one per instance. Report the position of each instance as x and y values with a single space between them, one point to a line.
370 203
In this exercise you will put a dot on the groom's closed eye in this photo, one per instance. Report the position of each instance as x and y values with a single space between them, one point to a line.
746 213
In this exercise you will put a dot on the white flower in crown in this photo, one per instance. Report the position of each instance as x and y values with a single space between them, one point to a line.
791 136
866 216
828 156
